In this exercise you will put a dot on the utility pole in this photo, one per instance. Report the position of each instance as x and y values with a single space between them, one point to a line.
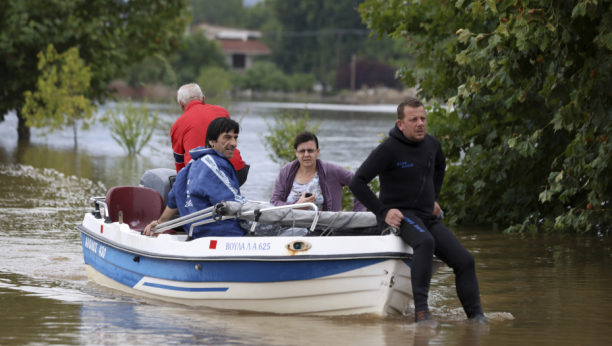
338 48
353 71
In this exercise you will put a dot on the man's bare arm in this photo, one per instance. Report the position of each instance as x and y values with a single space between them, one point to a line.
165 217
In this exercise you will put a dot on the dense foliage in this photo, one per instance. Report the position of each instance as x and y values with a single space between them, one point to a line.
527 131
59 99
319 37
264 76
311 41
110 36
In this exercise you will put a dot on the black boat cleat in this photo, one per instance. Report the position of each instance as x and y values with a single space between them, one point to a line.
424 320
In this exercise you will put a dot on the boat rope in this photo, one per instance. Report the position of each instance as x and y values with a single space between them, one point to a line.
330 224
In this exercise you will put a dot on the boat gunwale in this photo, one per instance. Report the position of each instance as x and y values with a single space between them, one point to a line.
385 255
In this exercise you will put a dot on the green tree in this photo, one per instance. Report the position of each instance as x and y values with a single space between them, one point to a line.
110 35
223 13
198 53
317 45
59 99
527 84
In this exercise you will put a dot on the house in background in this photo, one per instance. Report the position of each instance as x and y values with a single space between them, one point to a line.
238 45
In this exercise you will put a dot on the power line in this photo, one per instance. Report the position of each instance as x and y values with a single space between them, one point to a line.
358 32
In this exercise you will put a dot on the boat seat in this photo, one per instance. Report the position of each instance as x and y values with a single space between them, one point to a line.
139 205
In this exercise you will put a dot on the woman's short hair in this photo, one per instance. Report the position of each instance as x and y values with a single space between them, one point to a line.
218 127
188 93
304 137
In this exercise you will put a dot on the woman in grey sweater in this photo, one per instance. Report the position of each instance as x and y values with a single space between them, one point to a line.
310 180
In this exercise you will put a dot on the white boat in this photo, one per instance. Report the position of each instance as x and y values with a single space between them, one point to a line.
310 275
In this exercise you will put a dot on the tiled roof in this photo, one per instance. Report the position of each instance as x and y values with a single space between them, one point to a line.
250 47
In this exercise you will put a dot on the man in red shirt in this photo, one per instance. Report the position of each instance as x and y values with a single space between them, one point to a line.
189 130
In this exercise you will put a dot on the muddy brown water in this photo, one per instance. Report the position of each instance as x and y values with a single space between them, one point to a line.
536 289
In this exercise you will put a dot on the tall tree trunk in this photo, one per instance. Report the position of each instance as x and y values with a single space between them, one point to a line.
74 130
23 132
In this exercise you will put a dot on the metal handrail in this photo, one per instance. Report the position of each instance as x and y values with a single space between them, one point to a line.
204 213
205 222
96 201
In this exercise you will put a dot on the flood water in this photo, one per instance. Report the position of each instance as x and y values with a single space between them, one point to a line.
536 289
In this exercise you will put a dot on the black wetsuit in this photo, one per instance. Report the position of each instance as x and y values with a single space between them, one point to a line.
411 176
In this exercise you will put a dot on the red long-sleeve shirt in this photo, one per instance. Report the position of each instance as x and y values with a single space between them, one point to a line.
189 132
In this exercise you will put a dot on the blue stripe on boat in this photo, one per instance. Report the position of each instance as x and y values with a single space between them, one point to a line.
122 267
187 289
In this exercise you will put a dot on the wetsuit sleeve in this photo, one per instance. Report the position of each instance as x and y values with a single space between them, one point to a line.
439 170
375 164
178 149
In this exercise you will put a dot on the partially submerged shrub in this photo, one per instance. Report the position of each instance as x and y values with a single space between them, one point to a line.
283 129
131 127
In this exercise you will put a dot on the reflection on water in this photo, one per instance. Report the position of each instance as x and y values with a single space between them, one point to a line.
537 289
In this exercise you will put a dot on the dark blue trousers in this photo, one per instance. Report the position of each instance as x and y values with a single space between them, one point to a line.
428 237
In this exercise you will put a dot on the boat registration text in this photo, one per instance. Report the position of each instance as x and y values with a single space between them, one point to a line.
93 247
247 246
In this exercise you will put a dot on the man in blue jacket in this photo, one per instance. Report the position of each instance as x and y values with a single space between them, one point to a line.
207 180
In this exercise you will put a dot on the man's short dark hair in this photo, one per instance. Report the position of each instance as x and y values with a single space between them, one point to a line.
304 137
409 101
218 127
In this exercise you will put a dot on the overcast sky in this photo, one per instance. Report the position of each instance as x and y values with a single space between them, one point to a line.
249 3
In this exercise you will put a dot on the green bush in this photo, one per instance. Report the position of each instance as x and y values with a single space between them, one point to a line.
131 127
302 81
347 194
215 82
283 129
264 76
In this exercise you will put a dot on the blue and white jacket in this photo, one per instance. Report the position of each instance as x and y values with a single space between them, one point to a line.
207 180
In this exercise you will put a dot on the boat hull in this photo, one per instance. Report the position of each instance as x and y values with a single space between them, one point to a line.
280 282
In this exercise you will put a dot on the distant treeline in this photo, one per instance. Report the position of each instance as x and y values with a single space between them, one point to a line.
312 41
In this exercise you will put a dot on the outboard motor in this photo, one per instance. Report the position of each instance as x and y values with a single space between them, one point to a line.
160 180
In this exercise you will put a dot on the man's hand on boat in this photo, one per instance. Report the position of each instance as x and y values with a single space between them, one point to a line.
437 209
394 216
167 215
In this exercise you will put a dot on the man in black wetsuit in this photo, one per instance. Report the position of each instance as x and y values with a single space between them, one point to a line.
410 165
